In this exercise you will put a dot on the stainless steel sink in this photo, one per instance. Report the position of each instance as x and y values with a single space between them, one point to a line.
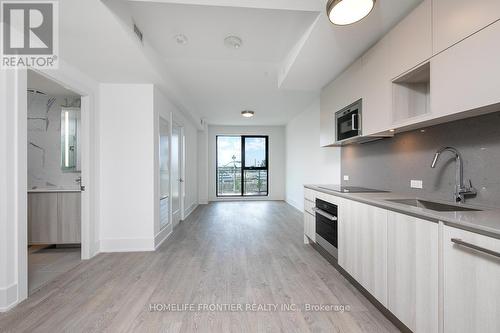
436 206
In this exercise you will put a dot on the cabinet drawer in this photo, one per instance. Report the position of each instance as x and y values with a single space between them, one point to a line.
309 194
310 226
471 282
308 207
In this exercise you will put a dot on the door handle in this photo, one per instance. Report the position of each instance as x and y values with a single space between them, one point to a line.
353 121
475 247
324 214
181 180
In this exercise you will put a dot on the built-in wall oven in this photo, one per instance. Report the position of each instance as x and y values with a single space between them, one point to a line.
326 226
348 121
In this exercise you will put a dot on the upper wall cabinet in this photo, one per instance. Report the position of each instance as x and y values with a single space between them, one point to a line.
337 95
467 75
454 20
376 90
411 40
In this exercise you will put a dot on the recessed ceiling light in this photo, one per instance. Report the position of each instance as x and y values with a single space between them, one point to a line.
233 42
181 39
247 113
392 130
344 12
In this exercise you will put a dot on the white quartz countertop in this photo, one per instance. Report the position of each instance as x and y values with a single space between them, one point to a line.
55 189
487 220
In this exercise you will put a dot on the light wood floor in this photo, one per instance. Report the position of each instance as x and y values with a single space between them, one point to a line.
45 263
232 252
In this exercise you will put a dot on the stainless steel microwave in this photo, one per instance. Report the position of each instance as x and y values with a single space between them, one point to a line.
348 121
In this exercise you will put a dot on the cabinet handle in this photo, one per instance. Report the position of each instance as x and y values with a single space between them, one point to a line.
353 122
475 247
324 214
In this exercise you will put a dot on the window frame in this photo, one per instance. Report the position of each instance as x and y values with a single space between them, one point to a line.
243 167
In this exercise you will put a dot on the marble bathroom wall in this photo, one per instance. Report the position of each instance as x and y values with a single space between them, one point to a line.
44 141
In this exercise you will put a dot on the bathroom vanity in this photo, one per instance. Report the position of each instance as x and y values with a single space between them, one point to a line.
54 216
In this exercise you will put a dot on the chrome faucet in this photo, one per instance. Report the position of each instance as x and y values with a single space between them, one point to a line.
461 191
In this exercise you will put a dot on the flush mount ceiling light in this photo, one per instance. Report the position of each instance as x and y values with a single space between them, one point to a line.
247 113
181 39
344 12
233 42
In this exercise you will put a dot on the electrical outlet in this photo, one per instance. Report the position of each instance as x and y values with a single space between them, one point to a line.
346 177
416 184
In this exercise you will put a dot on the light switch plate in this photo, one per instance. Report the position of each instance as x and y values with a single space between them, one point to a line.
416 184
346 177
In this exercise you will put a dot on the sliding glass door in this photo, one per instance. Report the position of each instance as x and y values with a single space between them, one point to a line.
242 166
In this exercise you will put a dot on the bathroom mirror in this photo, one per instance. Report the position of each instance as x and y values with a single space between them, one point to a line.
70 119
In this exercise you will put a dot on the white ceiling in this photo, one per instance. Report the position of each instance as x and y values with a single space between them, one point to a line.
290 51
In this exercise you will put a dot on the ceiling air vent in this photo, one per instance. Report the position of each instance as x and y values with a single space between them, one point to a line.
138 32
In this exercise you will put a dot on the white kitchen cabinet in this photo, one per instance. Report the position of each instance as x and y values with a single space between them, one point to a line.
309 194
309 227
412 271
363 246
342 92
467 76
454 20
410 42
471 283
377 89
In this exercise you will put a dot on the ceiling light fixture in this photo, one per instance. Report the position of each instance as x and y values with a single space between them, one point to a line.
247 113
345 12
181 39
233 42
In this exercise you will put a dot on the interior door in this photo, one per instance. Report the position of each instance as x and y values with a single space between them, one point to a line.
164 172
177 180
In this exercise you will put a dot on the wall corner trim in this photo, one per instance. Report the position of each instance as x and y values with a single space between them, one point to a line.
8 297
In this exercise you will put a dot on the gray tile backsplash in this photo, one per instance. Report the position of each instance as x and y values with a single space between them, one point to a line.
390 164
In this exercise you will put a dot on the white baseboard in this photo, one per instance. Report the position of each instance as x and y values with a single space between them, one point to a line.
190 209
162 236
8 297
294 204
127 245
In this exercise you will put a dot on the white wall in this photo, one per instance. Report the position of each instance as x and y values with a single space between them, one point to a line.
306 162
13 188
276 158
127 185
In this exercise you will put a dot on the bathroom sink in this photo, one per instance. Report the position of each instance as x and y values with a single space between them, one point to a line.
436 206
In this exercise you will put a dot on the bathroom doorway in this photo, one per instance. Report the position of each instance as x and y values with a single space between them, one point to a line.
54 180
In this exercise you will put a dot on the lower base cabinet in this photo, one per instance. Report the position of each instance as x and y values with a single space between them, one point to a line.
54 218
309 227
412 271
363 246
408 263
471 282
